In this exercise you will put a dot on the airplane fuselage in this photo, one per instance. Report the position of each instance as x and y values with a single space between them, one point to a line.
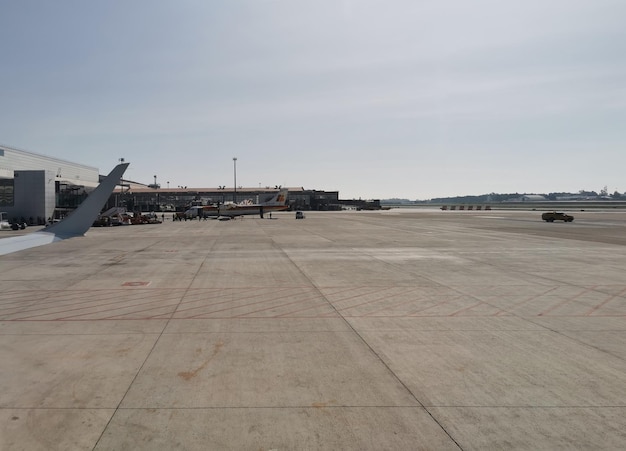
233 210
277 203
242 210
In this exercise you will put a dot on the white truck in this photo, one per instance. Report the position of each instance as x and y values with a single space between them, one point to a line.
4 221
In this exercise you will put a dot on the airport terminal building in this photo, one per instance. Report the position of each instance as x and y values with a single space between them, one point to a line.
35 188
140 198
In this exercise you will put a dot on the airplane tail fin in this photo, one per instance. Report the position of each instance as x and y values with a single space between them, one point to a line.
280 198
79 221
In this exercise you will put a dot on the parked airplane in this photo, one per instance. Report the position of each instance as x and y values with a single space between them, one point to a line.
276 203
76 224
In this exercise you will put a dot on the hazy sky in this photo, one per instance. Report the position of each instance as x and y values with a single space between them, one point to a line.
374 98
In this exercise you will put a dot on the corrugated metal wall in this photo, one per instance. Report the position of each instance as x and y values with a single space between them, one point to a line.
13 160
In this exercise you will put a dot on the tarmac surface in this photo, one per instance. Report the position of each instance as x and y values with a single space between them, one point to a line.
402 329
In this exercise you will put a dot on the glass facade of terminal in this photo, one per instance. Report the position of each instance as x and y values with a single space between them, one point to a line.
7 191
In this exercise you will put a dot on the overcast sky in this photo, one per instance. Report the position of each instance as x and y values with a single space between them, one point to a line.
373 98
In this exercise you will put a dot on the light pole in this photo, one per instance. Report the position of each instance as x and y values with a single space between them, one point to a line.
235 175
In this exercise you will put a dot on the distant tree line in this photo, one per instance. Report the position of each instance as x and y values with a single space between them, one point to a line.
496 197
482 198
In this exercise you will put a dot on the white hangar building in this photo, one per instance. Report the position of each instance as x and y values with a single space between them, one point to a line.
32 186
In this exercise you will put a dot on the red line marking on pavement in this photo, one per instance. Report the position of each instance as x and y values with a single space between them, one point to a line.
603 303
387 295
228 308
466 308
566 301
89 304
170 312
295 312
525 301
220 293
101 312
61 307
204 306
396 305
242 315
438 304
329 295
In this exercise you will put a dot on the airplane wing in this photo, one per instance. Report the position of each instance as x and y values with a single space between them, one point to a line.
76 224
18 243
